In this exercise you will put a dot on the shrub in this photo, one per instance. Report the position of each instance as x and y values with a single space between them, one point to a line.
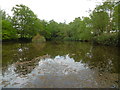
107 39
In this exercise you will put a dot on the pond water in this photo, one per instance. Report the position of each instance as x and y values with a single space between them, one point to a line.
59 65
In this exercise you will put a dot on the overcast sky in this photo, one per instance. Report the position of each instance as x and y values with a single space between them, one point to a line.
59 10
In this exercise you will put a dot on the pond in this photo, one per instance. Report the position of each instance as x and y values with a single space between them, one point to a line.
59 65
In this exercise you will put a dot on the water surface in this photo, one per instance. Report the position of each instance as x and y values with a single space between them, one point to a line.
59 64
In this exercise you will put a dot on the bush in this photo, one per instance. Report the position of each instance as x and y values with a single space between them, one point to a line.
107 39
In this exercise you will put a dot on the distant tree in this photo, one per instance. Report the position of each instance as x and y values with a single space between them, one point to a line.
3 14
25 21
108 7
0 25
8 32
80 29
43 30
52 29
87 22
116 17
63 30
100 21
76 27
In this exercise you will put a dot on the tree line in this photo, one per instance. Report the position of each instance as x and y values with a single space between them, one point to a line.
101 26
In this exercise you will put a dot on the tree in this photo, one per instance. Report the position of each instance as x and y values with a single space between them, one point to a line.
79 29
52 30
0 25
25 21
43 30
99 21
8 32
76 28
63 30
116 17
108 7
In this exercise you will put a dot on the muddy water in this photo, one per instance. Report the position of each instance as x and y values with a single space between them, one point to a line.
59 64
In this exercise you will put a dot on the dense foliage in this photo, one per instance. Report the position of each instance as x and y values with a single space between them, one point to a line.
8 32
100 27
25 21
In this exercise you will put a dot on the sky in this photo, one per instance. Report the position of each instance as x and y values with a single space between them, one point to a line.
58 10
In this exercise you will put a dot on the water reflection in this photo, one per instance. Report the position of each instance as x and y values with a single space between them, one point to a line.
98 63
